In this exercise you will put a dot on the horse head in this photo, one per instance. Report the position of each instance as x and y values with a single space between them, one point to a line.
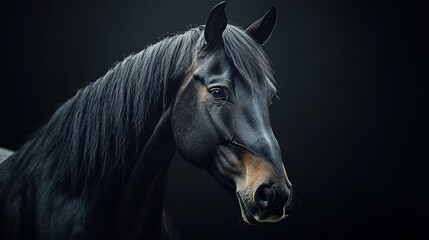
220 119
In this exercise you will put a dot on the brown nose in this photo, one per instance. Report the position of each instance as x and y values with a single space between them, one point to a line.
272 198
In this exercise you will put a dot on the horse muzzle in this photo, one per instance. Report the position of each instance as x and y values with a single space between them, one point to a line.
262 188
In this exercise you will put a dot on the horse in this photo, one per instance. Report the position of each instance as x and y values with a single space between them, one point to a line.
98 168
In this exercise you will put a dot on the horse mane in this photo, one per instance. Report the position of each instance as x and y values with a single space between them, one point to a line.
89 134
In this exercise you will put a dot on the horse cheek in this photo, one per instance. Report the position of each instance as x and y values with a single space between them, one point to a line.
193 131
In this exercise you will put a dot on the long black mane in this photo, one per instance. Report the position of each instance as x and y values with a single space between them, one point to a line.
100 128
90 132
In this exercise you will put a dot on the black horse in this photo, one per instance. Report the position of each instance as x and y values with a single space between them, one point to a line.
98 168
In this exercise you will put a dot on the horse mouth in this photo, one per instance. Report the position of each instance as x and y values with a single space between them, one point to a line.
245 212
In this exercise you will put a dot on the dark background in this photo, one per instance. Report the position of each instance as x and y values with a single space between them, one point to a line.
352 119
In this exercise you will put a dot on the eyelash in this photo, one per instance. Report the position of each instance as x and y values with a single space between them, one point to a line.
219 94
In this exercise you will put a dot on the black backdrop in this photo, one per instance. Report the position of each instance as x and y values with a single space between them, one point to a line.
351 120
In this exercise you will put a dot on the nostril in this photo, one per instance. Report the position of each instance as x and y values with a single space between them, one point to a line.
264 196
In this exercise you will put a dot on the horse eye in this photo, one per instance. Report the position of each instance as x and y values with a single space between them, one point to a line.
218 94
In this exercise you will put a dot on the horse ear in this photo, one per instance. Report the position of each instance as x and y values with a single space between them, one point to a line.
216 24
262 28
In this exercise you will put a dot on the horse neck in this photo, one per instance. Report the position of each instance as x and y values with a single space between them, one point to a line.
138 197
133 205
125 209
140 206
